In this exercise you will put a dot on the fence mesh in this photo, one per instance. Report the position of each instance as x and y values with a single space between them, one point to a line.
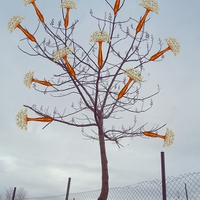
184 187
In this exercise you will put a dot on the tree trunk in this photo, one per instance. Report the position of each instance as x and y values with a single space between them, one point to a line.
104 167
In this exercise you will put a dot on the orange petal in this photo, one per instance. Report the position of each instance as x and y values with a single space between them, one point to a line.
39 14
29 36
116 6
142 21
160 53
40 119
151 134
69 67
66 22
42 82
100 55
123 90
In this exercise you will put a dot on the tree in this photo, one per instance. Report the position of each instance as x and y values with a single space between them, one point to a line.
21 194
96 75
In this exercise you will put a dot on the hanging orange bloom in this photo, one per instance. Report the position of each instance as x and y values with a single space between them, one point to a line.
28 80
168 137
39 14
116 6
14 22
62 53
173 45
22 119
68 4
150 6
100 37
134 75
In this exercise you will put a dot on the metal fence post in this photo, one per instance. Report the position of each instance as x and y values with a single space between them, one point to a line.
186 193
68 187
13 194
163 176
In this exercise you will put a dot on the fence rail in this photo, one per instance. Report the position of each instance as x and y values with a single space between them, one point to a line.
183 187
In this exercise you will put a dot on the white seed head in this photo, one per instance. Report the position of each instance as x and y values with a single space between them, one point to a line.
28 79
151 5
21 119
100 36
135 74
68 4
14 21
26 2
173 44
63 51
169 138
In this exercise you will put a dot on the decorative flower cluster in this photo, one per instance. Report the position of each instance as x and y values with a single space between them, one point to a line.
68 4
169 138
21 119
26 2
14 22
173 44
61 52
28 79
100 36
39 14
150 5
134 74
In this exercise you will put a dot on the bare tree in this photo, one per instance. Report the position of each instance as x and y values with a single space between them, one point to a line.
21 194
94 78
9 193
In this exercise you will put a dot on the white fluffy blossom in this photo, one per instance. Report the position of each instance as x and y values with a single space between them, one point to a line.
61 52
26 2
135 74
100 36
173 44
28 79
21 119
169 138
151 5
14 22
68 4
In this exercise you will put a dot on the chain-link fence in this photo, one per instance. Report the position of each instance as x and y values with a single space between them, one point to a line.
184 187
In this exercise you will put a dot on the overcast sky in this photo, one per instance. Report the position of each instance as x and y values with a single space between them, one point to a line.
40 161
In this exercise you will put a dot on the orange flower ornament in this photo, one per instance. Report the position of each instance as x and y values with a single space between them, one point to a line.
28 80
39 14
134 75
168 137
100 37
116 6
14 23
68 4
62 53
173 45
22 119
150 6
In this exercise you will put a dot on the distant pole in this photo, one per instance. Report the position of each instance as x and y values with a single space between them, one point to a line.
68 187
163 176
13 195
186 193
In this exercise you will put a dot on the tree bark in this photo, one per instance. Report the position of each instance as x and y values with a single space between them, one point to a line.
104 167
